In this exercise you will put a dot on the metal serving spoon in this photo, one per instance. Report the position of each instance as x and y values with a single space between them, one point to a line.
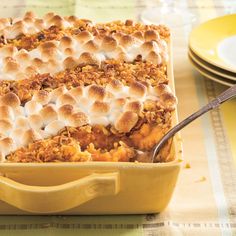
223 97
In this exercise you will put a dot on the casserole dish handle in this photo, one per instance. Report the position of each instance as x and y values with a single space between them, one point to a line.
52 199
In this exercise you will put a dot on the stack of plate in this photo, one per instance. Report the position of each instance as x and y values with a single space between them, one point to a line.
212 49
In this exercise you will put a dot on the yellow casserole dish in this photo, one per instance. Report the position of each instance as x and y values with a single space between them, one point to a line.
91 187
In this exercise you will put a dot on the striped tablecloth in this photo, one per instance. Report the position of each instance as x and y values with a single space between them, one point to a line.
204 202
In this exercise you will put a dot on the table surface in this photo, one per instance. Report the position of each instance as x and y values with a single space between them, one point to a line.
204 201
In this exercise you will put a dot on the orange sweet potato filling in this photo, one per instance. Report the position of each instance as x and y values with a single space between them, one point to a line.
91 144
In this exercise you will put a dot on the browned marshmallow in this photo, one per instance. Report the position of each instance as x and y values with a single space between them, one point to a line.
134 106
8 51
11 67
5 126
161 88
100 108
154 58
66 42
69 51
47 45
4 22
38 63
96 92
57 93
76 93
57 21
23 56
29 14
71 18
49 16
108 44
36 121
32 107
54 127
168 100
138 35
39 24
114 85
129 22
48 113
52 65
18 28
17 134
118 35
10 99
70 63
126 121
66 99
166 96
48 50
22 122
78 119
65 111
151 35
119 103
122 56
126 41
41 96
88 58
6 112
137 89
147 47
91 46
6 146
83 36
30 136
31 70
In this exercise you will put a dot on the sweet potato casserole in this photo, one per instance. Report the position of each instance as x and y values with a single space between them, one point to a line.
75 91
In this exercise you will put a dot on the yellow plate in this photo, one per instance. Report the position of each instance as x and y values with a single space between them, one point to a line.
210 75
218 71
207 42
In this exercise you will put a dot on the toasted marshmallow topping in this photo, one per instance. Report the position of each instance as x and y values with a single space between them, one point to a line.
72 50
49 112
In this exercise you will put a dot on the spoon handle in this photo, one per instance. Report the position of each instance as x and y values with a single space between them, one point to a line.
223 97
